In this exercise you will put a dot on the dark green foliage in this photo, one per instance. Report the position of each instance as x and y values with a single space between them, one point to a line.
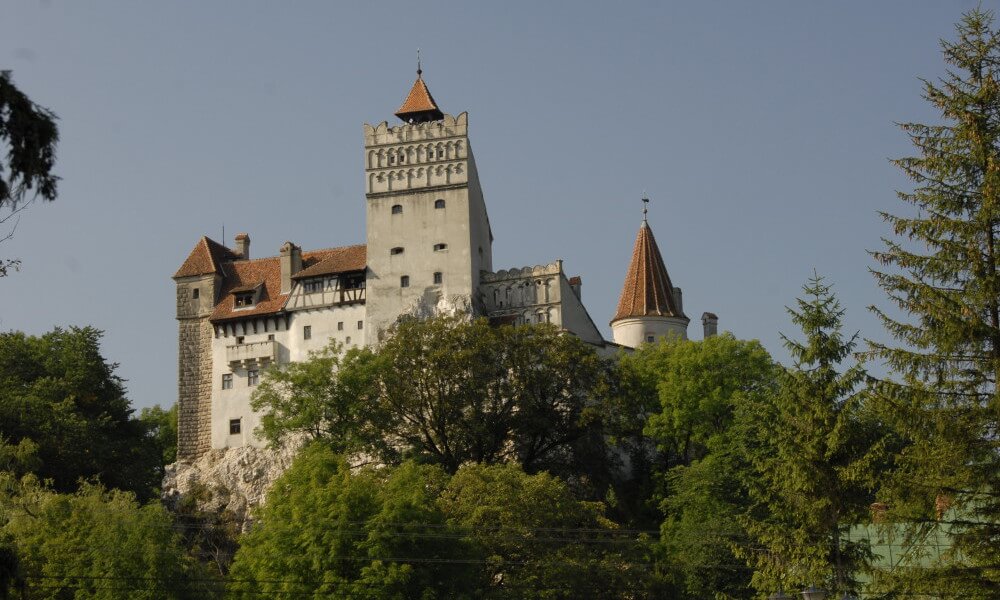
707 391
940 270
812 455
161 427
93 544
413 531
63 406
449 391
29 135
328 532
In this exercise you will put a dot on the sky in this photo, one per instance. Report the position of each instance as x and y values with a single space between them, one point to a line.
760 131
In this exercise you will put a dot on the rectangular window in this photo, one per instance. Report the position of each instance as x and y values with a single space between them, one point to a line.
312 285
361 324
270 337
227 381
307 332
239 339
244 299
438 278
404 281
194 293
650 339
234 426
253 376
340 325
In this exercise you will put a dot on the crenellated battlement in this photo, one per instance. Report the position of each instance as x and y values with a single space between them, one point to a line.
383 135
416 155
553 268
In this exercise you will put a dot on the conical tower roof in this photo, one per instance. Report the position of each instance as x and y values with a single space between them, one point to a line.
647 290
419 104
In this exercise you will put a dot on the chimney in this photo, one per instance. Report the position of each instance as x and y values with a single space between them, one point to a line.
242 246
291 263
710 323
576 284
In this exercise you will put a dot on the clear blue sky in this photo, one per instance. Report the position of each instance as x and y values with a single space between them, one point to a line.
761 131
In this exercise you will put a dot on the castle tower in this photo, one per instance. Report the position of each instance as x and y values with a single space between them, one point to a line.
428 232
650 307
199 281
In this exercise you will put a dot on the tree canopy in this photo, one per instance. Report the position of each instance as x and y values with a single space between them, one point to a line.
940 270
64 414
29 135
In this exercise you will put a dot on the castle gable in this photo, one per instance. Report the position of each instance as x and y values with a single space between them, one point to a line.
207 257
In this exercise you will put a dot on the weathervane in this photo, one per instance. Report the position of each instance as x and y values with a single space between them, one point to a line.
419 70
645 205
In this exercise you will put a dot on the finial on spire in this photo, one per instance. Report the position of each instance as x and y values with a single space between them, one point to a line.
645 205
419 70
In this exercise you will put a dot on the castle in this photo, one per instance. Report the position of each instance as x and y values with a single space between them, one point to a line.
428 250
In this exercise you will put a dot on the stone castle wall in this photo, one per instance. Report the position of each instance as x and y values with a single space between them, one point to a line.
194 388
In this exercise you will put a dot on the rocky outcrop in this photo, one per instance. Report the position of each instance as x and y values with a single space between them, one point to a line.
232 480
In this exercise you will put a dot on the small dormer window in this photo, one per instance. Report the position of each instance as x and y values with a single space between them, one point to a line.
244 299
396 250
397 209
439 203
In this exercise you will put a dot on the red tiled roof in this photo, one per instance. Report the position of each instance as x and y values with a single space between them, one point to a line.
338 260
241 274
647 290
419 100
206 257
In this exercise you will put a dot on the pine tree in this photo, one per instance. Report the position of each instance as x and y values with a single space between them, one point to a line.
810 451
941 272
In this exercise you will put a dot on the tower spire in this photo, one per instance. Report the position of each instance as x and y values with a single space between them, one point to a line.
419 105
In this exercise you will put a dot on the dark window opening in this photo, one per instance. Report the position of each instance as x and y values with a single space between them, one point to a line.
404 281
439 203
227 381
361 324
307 332
438 277
340 325
440 247
234 426
397 209
194 293
396 250
244 299
253 377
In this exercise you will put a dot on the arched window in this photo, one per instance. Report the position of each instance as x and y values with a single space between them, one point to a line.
397 209
439 203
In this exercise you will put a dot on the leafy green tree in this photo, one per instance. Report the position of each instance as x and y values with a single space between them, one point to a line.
58 393
707 393
811 477
536 540
940 270
29 134
161 427
450 391
454 391
328 532
320 398
94 544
